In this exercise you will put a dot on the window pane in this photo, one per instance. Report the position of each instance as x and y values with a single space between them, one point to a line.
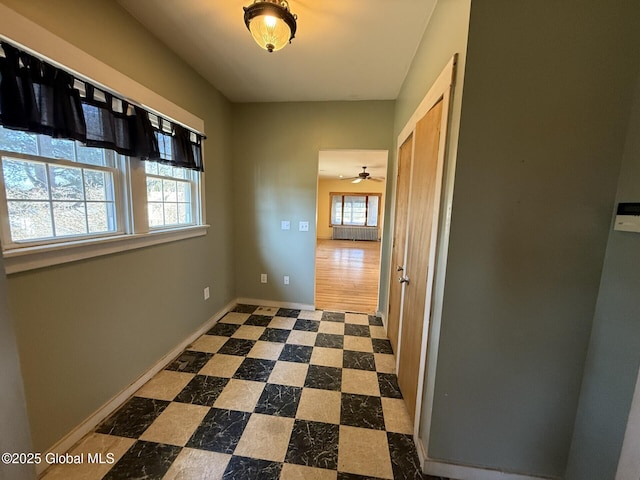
95 185
355 209
170 213
179 172
165 170
156 216
154 189
66 183
29 220
184 213
184 192
92 155
57 148
169 190
372 216
70 218
100 217
151 167
25 180
19 142
336 210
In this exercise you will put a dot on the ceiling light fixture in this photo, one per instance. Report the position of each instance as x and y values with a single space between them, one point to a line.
271 23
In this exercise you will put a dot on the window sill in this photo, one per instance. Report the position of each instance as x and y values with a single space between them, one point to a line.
31 258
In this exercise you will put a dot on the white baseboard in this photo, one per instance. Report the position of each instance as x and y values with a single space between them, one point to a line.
75 435
462 472
384 319
272 303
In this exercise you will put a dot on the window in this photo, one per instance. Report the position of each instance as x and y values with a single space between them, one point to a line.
170 191
56 191
355 209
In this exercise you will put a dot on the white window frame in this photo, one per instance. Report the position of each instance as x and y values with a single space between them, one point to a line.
39 41
119 203
193 179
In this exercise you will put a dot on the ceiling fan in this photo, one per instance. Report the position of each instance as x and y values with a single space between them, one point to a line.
363 175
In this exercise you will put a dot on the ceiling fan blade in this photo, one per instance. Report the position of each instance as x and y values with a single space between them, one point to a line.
376 179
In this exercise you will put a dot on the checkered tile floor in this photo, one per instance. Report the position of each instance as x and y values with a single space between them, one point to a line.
266 394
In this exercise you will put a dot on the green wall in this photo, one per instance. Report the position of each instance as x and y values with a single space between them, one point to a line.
445 36
614 350
546 100
14 424
87 329
275 174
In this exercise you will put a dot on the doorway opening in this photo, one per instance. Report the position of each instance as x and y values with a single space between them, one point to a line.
350 212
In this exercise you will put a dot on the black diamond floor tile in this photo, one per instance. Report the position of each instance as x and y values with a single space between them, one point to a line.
258 320
202 390
381 345
277 335
220 431
256 369
244 468
333 316
244 308
190 362
314 444
357 330
324 378
362 411
404 457
359 360
288 312
306 325
388 383
296 353
237 346
329 340
279 400
146 460
133 418
223 329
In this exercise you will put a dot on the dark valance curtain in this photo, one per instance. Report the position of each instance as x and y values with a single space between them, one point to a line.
41 98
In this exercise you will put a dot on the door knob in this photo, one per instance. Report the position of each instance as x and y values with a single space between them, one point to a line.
403 280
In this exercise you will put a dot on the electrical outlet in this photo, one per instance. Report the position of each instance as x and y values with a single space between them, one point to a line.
263 278
206 293
303 227
286 279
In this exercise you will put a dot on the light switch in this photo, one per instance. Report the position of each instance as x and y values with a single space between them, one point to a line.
285 225
303 226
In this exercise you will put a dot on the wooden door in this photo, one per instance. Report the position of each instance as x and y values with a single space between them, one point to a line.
420 220
399 240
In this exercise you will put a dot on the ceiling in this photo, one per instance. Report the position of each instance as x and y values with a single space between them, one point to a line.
343 49
349 163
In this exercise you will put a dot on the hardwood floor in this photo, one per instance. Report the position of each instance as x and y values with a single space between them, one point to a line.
347 275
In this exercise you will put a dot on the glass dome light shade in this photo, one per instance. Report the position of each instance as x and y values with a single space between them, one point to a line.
270 23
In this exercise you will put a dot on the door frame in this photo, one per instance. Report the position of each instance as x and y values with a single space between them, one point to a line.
440 90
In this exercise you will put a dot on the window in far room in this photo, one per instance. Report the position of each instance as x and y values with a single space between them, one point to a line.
355 209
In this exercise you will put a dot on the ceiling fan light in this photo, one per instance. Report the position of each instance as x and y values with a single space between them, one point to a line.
271 23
